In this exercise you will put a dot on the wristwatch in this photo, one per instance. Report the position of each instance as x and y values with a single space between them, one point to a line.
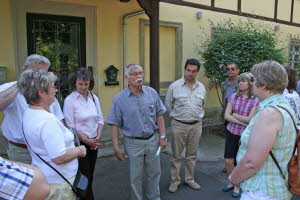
163 137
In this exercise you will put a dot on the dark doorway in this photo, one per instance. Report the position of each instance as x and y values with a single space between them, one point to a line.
62 40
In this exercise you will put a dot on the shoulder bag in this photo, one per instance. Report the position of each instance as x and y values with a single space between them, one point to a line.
293 182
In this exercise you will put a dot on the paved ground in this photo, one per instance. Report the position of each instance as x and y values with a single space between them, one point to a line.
112 180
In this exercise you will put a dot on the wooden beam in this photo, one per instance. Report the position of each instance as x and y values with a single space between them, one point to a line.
151 8
275 9
239 6
212 3
292 11
227 11
146 5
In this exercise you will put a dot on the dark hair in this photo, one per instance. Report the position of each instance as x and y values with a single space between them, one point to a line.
292 79
82 73
192 61
233 63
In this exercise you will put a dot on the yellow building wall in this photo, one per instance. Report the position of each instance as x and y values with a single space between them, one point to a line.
6 38
109 43
109 15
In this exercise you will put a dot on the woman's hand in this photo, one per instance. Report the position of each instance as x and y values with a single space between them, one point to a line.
82 151
93 143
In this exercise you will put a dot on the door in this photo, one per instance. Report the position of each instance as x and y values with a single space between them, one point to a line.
62 40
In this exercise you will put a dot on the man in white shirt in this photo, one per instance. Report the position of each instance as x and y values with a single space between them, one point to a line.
13 105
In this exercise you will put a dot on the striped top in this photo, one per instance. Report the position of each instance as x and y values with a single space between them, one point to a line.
268 179
242 107
14 180
136 115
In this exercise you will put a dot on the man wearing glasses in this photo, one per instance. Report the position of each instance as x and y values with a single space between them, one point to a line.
138 112
228 87
184 101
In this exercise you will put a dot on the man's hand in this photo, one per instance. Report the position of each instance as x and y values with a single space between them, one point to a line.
120 154
162 143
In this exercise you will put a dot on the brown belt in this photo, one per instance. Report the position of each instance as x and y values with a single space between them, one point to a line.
18 145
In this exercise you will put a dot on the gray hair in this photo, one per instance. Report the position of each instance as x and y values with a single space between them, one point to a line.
34 60
32 81
270 74
131 66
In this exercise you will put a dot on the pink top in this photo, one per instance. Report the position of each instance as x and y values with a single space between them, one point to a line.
83 115
241 107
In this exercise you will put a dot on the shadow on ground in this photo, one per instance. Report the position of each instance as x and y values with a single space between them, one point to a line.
111 179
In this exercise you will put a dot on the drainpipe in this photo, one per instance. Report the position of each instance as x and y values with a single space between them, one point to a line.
125 17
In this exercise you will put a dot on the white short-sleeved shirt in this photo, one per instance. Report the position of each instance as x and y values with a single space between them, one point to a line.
294 100
13 114
83 115
49 138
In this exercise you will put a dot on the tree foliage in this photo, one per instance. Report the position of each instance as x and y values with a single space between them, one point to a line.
244 43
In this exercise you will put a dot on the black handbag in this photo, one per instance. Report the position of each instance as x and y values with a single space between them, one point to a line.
81 182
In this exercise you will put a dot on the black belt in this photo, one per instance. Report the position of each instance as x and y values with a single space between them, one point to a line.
190 123
143 138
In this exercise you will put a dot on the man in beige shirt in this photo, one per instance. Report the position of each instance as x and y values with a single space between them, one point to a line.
184 101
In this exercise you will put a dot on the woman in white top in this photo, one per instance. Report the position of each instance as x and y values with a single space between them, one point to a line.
291 94
83 113
46 135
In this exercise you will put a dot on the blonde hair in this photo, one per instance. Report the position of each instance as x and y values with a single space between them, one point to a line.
270 74
246 76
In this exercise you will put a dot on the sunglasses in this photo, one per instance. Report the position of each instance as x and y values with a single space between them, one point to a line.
230 69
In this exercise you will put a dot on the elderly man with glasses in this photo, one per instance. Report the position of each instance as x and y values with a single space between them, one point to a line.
138 112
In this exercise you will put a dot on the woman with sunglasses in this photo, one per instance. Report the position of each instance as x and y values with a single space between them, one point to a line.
240 109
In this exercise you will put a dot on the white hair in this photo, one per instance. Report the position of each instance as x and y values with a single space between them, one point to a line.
34 60
131 66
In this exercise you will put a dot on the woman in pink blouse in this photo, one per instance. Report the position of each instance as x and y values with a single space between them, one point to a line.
83 113
240 109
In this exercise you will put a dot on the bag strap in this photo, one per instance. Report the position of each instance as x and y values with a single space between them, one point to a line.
272 155
93 98
73 188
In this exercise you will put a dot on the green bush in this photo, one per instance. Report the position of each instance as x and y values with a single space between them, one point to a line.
244 43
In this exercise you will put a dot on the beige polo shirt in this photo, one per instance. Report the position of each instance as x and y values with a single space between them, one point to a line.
185 103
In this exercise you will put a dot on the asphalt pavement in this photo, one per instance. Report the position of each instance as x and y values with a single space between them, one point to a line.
111 178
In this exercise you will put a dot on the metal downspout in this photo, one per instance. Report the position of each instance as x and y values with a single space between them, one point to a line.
125 17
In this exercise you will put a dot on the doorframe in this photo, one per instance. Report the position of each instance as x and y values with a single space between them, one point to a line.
66 8
178 46
81 20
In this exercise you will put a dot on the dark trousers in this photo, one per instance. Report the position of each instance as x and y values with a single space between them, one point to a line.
87 167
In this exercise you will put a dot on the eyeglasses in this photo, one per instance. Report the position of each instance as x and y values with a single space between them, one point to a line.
136 74
230 69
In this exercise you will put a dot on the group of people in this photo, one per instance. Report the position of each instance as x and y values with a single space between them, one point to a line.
40 134
259 108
